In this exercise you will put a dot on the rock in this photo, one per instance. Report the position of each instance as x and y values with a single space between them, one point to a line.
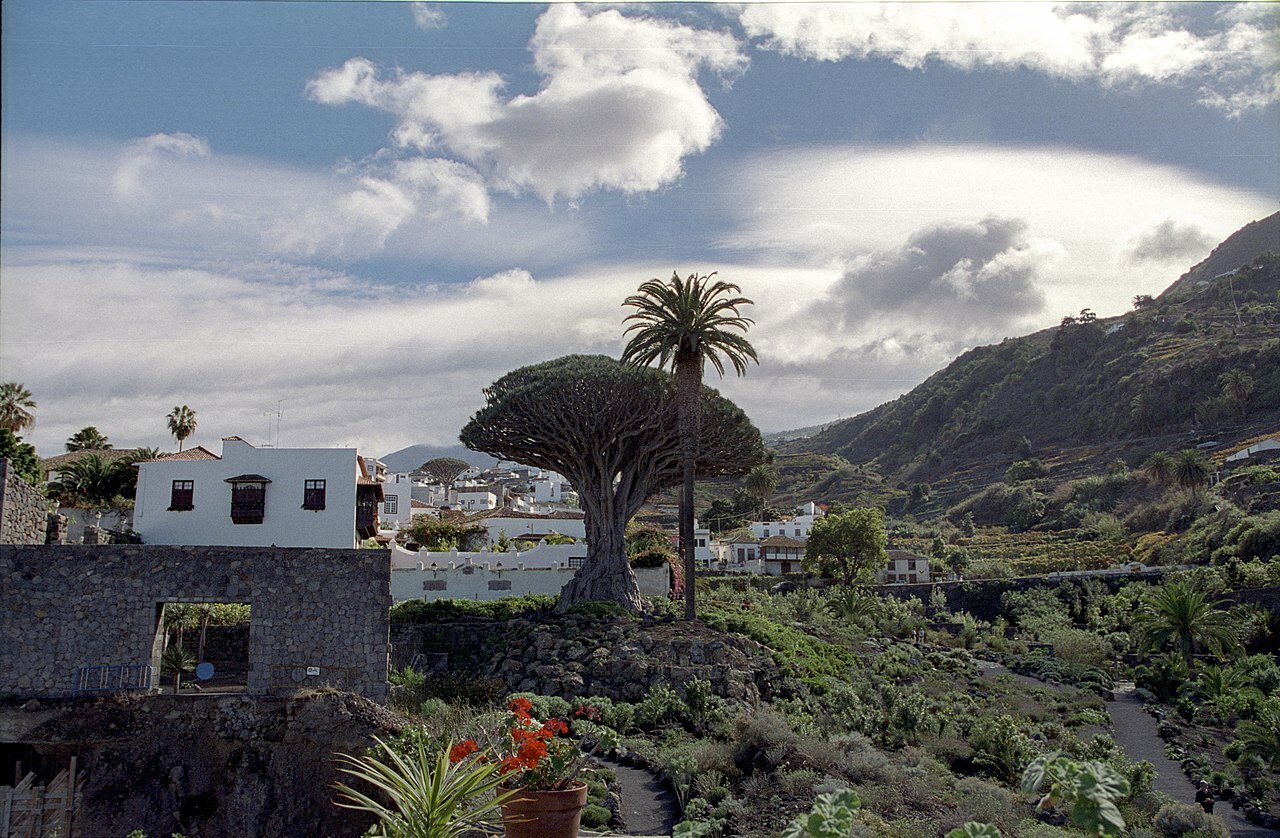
32 706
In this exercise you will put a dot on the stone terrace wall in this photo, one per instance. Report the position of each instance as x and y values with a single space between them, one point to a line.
22 509
63 607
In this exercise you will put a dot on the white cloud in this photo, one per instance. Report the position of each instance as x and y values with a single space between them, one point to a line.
619 108
144 155
428 16
1234 62
172 192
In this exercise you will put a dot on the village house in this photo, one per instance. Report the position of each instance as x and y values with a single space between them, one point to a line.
798 526
903 567
780 554
531 525
257 497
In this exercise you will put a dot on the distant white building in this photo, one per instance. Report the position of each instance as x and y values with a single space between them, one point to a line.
702 546
397 501
257 497
797 526
531 524
740 553
475 499
1269 444
903 567
781 554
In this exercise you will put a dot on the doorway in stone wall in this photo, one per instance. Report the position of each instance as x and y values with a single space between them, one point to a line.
202 647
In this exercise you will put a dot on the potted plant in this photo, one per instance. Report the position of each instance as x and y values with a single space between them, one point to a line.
540 764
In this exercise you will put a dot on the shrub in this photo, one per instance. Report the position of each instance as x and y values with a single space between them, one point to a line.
596 817
441 610
618 715
1018 507
1024 470
1178 819
544 706
660 707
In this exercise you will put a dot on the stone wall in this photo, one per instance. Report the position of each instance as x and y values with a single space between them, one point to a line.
23 509
319 617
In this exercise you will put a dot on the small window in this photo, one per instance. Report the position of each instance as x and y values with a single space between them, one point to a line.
889 565
313 494
182 496
797 532
435 584
499 584
766 532
911 564
391 505
577 561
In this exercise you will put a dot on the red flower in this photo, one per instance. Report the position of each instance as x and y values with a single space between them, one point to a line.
522 707
462 750
531 751
586 711
556 726
509 764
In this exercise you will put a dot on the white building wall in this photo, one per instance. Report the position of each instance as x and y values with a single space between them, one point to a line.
476 501
285 522
397 504
482 583
541 556
516 527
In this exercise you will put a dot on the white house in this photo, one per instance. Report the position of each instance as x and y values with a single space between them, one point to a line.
476 499
903 567
702 544
741 553
397 501
781 554
549 487
798 526
257 497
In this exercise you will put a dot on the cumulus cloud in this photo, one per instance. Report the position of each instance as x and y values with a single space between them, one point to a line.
619 108
1169 240
981 274
428 16
1233 60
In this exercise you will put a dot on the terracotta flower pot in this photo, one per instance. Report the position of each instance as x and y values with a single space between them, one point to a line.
545 814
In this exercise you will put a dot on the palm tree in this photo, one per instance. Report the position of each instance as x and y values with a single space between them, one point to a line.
1237 385
1159 468
94 480
182 423
683 324
760 483
88 439
16 406
1190 469
1180 615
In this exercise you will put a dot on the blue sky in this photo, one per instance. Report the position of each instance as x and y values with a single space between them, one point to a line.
372 210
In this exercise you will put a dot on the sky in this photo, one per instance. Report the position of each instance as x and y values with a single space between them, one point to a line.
334 223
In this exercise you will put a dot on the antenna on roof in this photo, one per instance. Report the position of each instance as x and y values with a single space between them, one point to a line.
279 413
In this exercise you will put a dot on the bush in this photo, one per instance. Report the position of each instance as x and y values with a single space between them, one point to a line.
441 610
544 706
618 715
596 817
1018 507
1024 470
1178 819
661 706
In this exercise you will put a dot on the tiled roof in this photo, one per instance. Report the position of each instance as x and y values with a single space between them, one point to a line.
59 460
894 555
197 453
781 541
418 504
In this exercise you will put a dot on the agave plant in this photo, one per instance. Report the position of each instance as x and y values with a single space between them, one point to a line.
428 797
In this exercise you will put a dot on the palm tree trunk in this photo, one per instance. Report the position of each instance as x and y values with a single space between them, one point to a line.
688 388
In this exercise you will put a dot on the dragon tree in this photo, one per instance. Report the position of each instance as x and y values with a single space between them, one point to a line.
612 429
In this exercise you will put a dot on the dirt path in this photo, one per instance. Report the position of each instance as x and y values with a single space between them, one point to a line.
647 807
1135 731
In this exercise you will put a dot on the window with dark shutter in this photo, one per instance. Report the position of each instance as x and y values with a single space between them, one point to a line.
313 494
248 503
182 496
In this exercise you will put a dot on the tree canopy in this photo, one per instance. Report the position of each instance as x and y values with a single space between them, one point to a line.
17 407
182 423
23 457
846 545
443 469
88 439
611 429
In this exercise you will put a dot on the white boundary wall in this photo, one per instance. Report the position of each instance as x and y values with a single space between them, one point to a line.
478 582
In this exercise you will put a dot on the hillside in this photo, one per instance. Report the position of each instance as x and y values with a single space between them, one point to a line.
1084 393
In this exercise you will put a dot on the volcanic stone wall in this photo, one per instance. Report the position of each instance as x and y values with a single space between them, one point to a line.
22 509
318 617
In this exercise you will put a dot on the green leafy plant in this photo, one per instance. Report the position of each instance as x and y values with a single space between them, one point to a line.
429 797
1088 790
830 817
973 829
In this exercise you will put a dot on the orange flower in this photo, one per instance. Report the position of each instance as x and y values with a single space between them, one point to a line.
522 707
462 750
